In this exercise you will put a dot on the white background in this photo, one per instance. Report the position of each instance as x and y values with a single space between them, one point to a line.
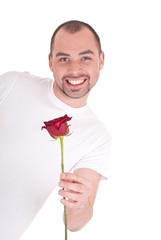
127 99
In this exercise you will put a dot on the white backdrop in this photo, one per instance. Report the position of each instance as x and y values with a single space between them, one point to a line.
127 99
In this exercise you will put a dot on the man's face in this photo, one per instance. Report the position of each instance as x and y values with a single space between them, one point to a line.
75 63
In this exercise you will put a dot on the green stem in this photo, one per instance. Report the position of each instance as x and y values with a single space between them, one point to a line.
62 154
62 168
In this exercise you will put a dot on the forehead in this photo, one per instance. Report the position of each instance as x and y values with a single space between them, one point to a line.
71 42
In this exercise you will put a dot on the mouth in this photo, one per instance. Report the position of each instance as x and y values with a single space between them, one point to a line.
76 86
76 82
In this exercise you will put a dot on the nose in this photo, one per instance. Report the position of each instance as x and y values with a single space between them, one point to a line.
75 69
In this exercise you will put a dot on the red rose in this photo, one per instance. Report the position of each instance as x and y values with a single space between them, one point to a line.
58 126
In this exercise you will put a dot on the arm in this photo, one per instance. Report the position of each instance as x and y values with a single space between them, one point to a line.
80 189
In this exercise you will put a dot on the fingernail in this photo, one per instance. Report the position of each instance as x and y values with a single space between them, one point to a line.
61 184
62 201
60 191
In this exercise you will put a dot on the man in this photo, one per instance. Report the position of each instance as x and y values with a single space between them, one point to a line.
30 163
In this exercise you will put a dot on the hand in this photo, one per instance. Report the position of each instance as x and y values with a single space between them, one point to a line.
75 188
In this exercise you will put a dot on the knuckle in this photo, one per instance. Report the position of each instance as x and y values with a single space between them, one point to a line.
80 188
65 194
66 185
77 197
73 196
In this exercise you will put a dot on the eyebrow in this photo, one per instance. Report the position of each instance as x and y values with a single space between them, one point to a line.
68 55
62 54
86 52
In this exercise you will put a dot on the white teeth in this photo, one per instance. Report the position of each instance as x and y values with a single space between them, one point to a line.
75 82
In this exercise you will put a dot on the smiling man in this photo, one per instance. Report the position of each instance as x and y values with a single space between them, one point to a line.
30 163
75 60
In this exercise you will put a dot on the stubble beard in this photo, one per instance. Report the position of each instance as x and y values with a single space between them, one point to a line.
74 93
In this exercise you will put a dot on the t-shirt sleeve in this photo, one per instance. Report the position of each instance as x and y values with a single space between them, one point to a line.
98 156
6 83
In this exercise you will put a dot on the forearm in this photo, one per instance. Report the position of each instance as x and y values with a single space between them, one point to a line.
79 217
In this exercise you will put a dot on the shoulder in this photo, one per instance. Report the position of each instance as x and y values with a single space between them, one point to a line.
94 124
34 82
91 130
99 134
22 80
8 77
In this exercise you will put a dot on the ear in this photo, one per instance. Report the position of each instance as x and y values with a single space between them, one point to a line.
102 59
50 62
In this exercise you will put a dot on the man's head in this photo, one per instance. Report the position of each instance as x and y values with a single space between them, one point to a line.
75 59
73 27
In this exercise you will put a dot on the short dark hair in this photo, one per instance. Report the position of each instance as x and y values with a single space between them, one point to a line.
72 27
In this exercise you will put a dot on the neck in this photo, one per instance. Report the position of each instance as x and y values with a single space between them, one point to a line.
72 102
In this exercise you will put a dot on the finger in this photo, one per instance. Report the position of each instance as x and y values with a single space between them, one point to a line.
73 196
76 187
72 204
73 177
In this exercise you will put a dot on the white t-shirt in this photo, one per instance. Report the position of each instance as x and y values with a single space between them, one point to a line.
30 161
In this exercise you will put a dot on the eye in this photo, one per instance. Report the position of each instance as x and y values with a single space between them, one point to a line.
64 59
86 58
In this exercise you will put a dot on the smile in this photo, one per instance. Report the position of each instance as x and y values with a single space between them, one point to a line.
76 81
